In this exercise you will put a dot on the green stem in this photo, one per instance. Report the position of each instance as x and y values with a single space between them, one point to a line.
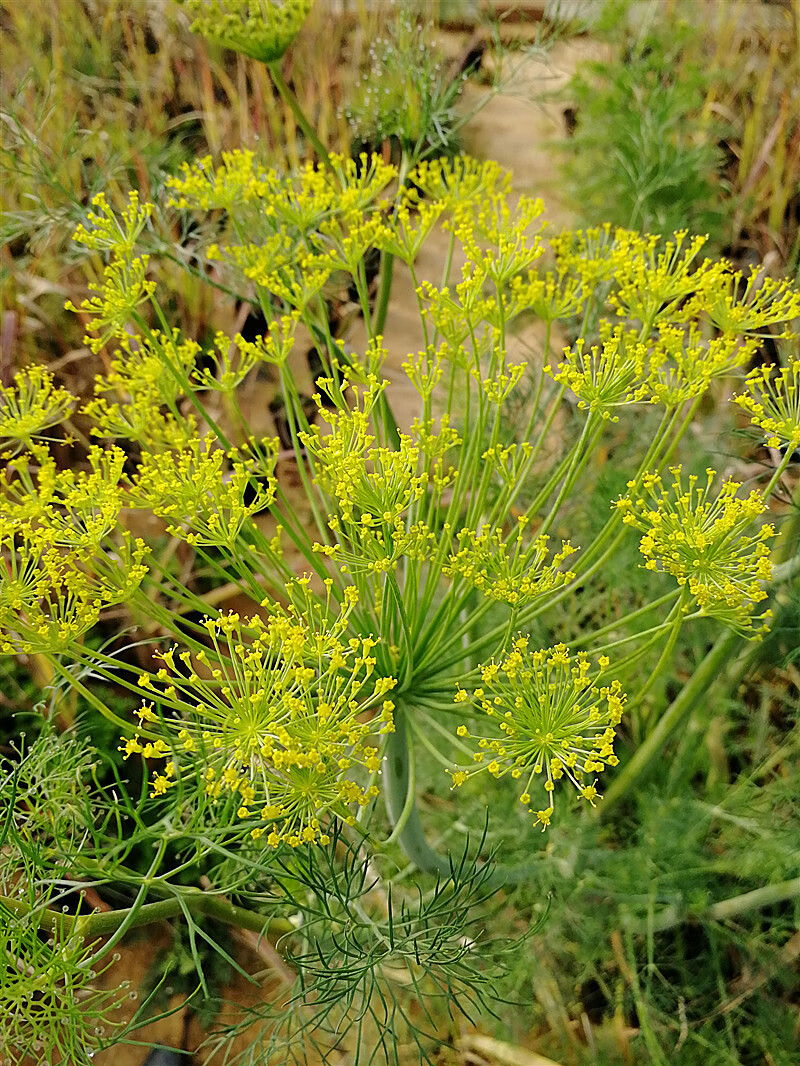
683 704
293 104
410 805
666 654
410 835
90 697
579 455
106 923
680 707
397 788
725 908
133 910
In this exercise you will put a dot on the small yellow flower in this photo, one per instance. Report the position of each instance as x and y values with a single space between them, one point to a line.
261 726
261 29
773 402
30 405
704 542
506 569
558 720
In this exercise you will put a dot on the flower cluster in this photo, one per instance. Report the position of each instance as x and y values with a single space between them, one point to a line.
752 307
773 402
374 492
504 568
550 297
274 718
285 205
62 559
460 180
655 278
510 248
30 405
50 597
237 180
124 288
606 378
703 541
202 503
76 508
681 363
261 29
556 718
233 360
677 365
146 375
110 232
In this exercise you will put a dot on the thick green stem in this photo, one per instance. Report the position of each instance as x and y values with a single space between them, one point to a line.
725 908
705 674
401 806
679 709
106 923
397 788
293 104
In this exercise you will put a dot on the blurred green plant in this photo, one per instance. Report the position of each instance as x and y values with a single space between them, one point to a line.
670 133
643 154
407 96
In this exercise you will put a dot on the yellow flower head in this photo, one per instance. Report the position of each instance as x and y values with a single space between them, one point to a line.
773 402
261 29
30 405
280 725
110 232
50 597
506 568
124 288
555 717
203 503
703 541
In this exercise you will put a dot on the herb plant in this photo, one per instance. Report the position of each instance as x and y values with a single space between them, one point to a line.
406 597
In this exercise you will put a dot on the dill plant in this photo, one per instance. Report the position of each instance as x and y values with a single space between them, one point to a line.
276 746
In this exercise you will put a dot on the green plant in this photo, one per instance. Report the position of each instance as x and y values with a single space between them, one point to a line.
272 779
407 97
670 133
643 153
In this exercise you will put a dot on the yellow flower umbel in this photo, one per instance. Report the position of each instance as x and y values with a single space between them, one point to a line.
50 597
202 503
146 375
123 289
30 405
676 366
606 378
459 181
72 508
113 233
651 279
505 570
373 490
125 286
703 542
755 306
773 402
261 29
555 716
62 558
274 719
